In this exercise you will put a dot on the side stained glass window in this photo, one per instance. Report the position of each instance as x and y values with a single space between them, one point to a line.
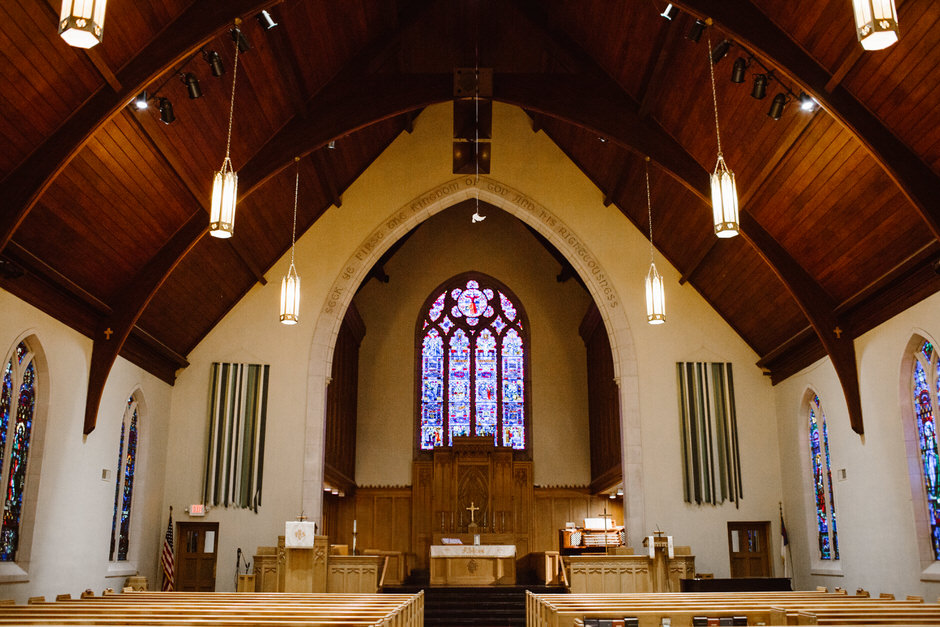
822 483
124 484
17 407
476 386
926 387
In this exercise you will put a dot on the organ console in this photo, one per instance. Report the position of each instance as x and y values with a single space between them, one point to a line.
596 536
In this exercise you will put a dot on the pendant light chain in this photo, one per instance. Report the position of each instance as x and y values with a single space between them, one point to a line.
231 106
649 206
293 233
711 71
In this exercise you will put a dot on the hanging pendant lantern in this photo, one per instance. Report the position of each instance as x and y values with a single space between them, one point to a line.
724 189
290 284
655 296
225 183
224 192
81 22
655 292
290 296
724 200
876 23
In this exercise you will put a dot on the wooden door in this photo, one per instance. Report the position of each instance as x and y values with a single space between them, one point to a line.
749 549
196 553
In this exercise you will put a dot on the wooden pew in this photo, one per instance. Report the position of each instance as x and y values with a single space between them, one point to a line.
150 609
777 608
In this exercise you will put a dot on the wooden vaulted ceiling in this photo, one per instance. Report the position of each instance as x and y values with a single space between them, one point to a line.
104 214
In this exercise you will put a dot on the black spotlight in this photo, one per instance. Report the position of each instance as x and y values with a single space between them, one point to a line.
142 100
166 111
215 62
237 37
776 107
720 51
192 85
760 86
739 69
695 33
670 12
267 22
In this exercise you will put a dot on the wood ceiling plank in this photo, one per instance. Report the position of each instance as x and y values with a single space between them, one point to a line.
194 27
903 165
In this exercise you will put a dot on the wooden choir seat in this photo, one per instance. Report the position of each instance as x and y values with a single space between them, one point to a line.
7 602
35 600
885 595
63 597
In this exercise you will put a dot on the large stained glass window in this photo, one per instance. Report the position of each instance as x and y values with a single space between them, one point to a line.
926 386
822 483
17 406
124 484
473 364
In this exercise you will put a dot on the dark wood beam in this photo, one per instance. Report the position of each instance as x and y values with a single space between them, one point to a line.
818 307
113 330
751 27
854 55
697 262
158 141
656 72
616 186
196 26
326 176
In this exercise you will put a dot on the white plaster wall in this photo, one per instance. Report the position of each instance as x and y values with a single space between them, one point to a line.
71 536
444 246
874 507
530 163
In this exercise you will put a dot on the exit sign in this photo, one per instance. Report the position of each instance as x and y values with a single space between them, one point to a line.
197 510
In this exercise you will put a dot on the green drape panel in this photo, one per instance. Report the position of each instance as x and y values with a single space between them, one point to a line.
238 401
711 463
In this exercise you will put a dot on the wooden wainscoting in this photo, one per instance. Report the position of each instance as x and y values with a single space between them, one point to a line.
556 506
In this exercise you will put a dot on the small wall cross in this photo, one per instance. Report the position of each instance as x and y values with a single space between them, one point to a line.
107 333
838 332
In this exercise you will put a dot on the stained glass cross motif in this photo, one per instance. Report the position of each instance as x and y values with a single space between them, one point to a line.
472 356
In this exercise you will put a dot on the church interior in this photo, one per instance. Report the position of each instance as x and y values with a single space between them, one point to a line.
480 203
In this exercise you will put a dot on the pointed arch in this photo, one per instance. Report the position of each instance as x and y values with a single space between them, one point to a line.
556 231
126 471
919 401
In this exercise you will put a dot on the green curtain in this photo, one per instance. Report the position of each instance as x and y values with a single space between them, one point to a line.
711 463
238 401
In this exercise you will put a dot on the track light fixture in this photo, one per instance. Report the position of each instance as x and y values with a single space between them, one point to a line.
695 33
720 51
166 111
760 87
807 102
264 18
739 70
142 100
215 62
192 85
776 107
239 38
670 12
332 144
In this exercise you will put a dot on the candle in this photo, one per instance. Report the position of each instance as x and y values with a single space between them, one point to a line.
354 525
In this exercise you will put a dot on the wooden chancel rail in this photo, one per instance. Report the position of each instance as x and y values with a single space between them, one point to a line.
731 608
204 609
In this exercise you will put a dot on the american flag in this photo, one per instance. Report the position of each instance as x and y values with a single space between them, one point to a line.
169 574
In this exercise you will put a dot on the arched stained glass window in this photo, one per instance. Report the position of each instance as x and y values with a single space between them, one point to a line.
124 484
926 386
477 385
17 406
822 483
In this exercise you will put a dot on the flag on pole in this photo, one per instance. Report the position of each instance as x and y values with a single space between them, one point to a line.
167 557
784 543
